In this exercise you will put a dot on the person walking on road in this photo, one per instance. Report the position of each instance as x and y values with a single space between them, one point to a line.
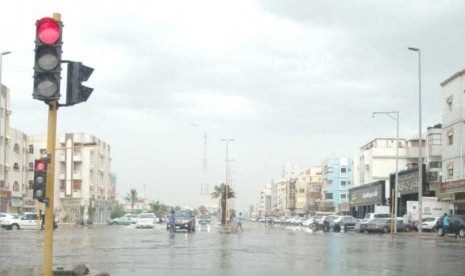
239 222
171 220
445 224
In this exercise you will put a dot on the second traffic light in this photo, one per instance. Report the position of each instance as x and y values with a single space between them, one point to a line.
75 91
47 62
40 179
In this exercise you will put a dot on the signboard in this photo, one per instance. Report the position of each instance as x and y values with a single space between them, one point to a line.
453 186
373 194
408 183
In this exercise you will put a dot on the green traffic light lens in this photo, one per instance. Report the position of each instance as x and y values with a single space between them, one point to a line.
46 88
39 193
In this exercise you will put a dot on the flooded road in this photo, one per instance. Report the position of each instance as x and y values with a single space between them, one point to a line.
124 250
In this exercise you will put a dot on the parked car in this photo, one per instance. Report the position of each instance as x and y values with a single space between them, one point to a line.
456 226
361 225
343 223
325 223
205 219
384 225
308 222
7 216
146 220
429 224
24 221
184 220
124 220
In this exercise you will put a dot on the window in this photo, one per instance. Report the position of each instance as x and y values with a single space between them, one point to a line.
343 196
31 185
31 148
450 172
433 176
16 148
434 139
301 191
343 170
16 186
343 185
329 196
449 101
450 137
31 167
77 185
15 166
435 164
62 186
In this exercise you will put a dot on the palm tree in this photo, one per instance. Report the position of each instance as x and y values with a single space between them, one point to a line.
220 192
159 209
132 197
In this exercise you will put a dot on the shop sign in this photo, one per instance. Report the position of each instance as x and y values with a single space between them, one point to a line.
453 186
408 183
370 195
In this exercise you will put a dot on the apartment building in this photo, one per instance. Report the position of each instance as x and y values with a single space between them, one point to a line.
452 188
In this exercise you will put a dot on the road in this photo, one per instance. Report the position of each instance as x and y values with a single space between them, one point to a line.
259 250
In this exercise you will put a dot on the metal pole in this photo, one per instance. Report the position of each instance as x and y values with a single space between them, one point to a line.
394 198
420 145
50 188
396 193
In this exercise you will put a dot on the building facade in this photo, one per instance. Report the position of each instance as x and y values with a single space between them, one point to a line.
337 179
453 142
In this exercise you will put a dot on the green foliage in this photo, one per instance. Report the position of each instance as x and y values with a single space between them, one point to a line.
159 209
132 196
117 211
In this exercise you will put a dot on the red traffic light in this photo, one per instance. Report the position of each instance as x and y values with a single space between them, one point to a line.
40 165
48 30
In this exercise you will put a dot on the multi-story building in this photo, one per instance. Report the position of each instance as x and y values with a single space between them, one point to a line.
337 179
453 141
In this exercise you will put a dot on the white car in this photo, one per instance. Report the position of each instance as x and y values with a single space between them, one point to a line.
429 224
146 220
24 221
7 216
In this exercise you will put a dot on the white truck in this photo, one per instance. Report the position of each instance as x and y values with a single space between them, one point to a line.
431 208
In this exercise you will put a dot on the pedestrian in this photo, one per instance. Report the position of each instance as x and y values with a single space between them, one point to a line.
445 224
239 222
171 220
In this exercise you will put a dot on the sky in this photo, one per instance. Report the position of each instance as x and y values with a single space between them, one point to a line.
290 81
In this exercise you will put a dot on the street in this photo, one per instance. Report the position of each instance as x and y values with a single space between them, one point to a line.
259 250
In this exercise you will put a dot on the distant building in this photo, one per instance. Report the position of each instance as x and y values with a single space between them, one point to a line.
337 179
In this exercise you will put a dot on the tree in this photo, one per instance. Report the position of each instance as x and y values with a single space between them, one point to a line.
220 192
159 209
132 196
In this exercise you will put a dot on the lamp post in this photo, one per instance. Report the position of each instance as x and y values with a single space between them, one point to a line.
227 180
420 144
396 191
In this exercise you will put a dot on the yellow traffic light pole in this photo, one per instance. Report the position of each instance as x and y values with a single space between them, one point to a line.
50 189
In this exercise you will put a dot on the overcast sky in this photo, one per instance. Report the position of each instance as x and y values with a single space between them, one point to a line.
290 81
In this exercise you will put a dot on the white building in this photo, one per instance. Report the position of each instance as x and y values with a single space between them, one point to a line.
453 137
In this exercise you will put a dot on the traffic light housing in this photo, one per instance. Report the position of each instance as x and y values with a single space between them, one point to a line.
47 61
75 91
40 179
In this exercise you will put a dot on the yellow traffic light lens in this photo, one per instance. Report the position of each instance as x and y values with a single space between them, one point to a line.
47 60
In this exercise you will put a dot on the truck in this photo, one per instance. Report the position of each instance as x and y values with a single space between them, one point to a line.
431 208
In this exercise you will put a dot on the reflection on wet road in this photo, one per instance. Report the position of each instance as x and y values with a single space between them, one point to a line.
124 250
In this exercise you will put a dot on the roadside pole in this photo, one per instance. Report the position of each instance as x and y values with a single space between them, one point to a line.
50 190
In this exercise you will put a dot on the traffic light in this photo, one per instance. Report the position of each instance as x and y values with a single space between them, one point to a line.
40 179
47 61
75 91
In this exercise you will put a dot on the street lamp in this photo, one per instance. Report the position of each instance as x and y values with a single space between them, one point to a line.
395 118
227 180
420 143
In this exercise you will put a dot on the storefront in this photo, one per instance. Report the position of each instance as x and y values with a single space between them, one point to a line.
408 188
454 192
363 199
